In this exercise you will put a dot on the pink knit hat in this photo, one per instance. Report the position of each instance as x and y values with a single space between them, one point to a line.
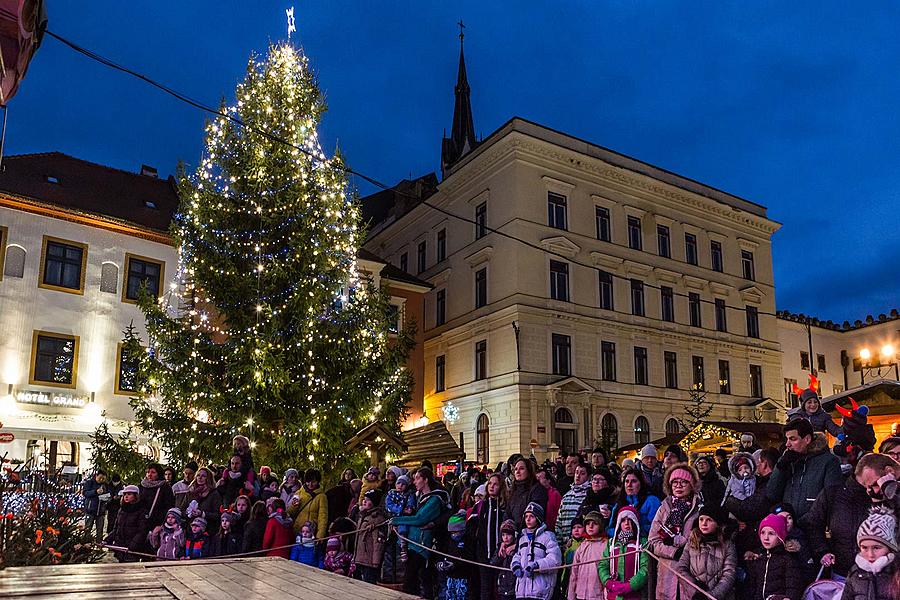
681 473
777 523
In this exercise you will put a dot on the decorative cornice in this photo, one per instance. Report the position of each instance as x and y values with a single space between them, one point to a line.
694 282
611 263
753 294
636 268
666 275
480 256
720 289
561 245
440 278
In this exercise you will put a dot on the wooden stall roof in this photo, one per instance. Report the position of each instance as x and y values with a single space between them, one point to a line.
885 390
660 443
264 578
433 442
368 435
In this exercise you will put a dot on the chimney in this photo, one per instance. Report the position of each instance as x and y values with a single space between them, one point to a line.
149 171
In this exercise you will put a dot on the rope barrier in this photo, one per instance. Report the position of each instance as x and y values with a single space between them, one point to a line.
664 562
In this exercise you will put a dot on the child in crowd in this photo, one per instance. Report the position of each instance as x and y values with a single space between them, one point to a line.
371 481
774 573
709 560
584 581
537 550
168 538
506 581
623 572
870 578
371 537
197 544
452 579
569 551
279 530
797 543
305 550
401 501
242 510
337 560
742 483
227 541
270 489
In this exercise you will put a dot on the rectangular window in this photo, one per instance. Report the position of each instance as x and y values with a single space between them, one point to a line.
667 303
820 363
603 228
804 360
791 400
837 388
694 309
637 297
671 364
634 233
724 377
54 359
481 220
126 373
690 248
606 290
756 382
441 245
393 319
63 264
141 271
480 287
559 280
608 361
747 268
715 254
556 211
721 322
640 366
404 262
752 322
439 373
481 360
697 371
440 306
421 255
663 242
562 354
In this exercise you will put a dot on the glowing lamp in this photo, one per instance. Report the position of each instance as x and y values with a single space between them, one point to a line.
864 354
887 351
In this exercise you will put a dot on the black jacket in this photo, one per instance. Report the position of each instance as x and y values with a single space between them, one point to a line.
519 497
861 585
774 572
156 502
254 531
841 509
130 531
801 481
712 489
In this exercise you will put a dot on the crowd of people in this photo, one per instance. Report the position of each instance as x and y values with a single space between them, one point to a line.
755 524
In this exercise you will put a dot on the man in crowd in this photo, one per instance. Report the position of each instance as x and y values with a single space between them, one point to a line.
651 469
96 497
806 467
564 482
181 487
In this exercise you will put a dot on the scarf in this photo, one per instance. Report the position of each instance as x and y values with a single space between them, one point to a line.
680 509
625 537
874 567
151 484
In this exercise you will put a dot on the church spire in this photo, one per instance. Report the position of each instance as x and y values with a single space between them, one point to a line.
462 133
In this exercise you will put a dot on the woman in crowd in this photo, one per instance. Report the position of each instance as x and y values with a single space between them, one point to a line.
525 489
156 497
635 493
203 500
672 525
712 488
487 517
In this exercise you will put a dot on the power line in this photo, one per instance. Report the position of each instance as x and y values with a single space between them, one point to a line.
277 139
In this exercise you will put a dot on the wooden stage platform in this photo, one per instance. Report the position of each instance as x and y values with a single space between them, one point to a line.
227 579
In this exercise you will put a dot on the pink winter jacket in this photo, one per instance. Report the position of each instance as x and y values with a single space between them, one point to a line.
584 582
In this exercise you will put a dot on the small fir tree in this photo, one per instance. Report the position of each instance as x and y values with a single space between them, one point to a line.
697 409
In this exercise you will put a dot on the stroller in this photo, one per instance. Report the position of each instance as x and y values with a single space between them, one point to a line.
823 589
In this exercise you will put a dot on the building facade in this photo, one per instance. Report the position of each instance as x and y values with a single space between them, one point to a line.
580 295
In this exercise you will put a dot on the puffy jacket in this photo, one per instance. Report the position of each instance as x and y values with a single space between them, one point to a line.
371 539
279 535
306 554
568 510
712 564
429 507
395 502
312 506
542 549
862 585
666 580
801 481
92 491
506 581
841 509
584 580
820 420
226 544
630 567
775 572
169 542
197 546
712 488
130 531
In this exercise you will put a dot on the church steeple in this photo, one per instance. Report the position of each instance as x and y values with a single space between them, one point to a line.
462 133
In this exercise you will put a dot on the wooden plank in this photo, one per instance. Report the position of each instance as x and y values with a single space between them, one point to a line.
161 595
245 578
204 589
296 588
318 580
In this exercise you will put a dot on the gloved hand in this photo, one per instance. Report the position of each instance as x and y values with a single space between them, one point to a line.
517 571
787 459
530 568
888 485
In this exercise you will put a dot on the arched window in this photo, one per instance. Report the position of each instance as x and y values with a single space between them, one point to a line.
482 440
642 430
109 277
609 431
672 427
564 430
15 261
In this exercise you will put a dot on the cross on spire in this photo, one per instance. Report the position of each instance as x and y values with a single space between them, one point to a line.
461 27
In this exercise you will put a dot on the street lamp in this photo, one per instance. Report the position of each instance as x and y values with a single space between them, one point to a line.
866 362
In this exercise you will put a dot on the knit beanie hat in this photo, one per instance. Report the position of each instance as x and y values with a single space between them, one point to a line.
374 496
290 472
457 522
508 526
264 470
374 471
880 526
716 513
579 520
192 465
404 480
200 521
481 490
312 526
594 516
131 489
777 523
537 510
333 544
231 517
648 450
176 512
397 471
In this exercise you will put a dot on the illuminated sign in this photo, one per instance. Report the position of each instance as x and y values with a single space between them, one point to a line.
51 399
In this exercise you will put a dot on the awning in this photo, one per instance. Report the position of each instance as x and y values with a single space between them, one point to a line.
433 442
886 391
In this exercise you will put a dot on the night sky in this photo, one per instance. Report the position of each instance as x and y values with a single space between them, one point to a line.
792 105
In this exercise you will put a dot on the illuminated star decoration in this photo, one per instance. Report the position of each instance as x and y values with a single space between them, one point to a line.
292 27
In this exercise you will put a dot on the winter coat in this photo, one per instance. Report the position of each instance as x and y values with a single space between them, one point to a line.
307 554
197 546
395 502
801 481
226 544
168 541
506 581
632 568
712 489
487 517
662 546
130 531
554 502
520 494
92 490
713 564
370 541
209 505
750 512
254 531
339 562
862 585
286 492
313 507
542 549
156 502
647 511
840 509
820 420
231 488
179 490
278 533
584 580
428 508
453 576
571 504
338 499
367 486
654 479
774 572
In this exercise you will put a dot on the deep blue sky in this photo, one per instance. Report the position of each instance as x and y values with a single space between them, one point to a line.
792 105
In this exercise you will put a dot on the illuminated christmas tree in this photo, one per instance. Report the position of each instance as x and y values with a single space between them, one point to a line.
269 331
